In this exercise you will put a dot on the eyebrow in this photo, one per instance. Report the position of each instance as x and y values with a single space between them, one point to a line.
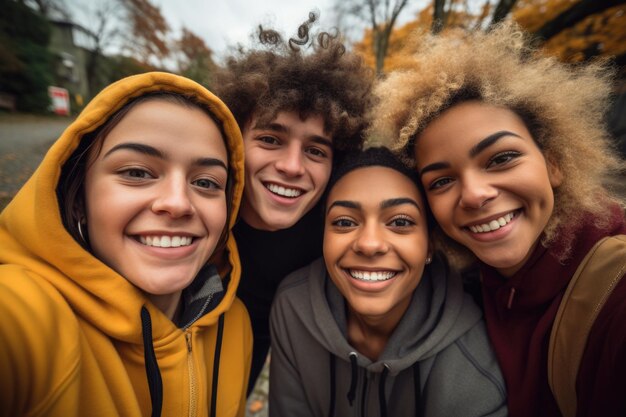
344 203
392 202
490 140
152 151
475 150
277 127
136 147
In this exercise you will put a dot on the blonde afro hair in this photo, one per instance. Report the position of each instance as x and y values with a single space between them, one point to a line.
563 107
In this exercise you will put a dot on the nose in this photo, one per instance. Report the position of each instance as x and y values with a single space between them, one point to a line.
173 198
370 241
290 162
476 192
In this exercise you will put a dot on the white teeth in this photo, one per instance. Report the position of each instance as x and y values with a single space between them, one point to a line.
166 241
372 276
494 224
282 191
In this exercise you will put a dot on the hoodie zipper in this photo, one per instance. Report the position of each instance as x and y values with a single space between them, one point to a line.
192 377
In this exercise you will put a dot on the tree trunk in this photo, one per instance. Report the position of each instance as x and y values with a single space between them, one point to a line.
438 16
502 10
573 15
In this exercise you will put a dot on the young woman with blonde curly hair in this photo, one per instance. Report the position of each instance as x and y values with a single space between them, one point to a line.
511 148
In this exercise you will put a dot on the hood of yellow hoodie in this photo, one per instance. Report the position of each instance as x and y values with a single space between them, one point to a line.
33 237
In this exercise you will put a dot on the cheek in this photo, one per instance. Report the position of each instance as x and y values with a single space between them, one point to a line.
441 210
215 215
321 174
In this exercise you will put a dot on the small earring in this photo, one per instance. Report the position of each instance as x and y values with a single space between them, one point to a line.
80 232
428 260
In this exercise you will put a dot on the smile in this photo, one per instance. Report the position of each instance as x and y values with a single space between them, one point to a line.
494 224
283 191
371 276
166 241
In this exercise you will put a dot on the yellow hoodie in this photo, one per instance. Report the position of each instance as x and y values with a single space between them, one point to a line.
71 337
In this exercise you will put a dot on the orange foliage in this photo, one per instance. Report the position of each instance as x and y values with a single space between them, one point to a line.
149 29
602 34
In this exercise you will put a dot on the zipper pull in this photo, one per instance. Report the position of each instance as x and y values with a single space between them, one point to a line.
511 296
188 339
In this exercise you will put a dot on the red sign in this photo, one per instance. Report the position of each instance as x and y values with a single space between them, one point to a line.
60 98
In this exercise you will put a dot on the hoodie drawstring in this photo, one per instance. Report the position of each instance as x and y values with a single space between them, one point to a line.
417 386
152 367
331 406
216 364
382 401
353 379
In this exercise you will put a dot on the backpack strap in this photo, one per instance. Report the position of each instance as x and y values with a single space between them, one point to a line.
590 287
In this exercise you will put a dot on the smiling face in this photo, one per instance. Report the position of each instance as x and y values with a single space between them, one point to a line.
487 182
288 163
155 196
375 241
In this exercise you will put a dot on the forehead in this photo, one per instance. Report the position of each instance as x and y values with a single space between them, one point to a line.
165 117
465 124
374 184
472 118
287 119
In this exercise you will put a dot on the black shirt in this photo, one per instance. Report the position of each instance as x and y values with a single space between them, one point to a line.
266 258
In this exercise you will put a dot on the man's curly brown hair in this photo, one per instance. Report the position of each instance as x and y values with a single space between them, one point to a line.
328 82
562 106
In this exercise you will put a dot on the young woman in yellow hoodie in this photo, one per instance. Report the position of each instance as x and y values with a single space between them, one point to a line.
118 270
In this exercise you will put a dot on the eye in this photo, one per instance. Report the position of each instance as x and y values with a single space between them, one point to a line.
439 183
270 140
206 183
502 158
136 173
401 221
317 152
343 222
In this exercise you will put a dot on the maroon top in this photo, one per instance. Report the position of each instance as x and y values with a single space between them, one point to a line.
519 312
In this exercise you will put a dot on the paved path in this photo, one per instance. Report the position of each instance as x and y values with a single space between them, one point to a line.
24 140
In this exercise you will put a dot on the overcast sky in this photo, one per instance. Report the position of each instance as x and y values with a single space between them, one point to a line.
223 23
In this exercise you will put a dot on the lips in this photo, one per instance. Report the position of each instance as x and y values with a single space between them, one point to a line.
282 191
494 224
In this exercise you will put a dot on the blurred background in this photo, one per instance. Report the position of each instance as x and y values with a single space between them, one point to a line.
55 55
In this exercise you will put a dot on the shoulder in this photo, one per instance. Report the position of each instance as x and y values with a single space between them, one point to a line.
472 355
40 339
294 296
296 283
26 298
467 377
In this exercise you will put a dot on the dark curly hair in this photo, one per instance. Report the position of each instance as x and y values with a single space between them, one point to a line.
280 76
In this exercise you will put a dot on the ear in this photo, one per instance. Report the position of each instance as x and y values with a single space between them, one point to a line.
555 175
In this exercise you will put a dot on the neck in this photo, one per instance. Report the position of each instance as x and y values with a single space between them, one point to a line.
370 334
169 304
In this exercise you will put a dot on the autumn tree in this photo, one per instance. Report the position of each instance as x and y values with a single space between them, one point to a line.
381 17
132 27
148 31
194 58
573 30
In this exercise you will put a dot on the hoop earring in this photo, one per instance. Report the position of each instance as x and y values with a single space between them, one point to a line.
80 232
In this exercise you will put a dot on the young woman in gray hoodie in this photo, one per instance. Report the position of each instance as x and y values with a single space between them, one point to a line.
379 326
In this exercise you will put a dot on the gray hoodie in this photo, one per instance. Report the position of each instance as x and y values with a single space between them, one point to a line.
440 346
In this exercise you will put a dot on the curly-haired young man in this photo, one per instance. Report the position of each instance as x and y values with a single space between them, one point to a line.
298 111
